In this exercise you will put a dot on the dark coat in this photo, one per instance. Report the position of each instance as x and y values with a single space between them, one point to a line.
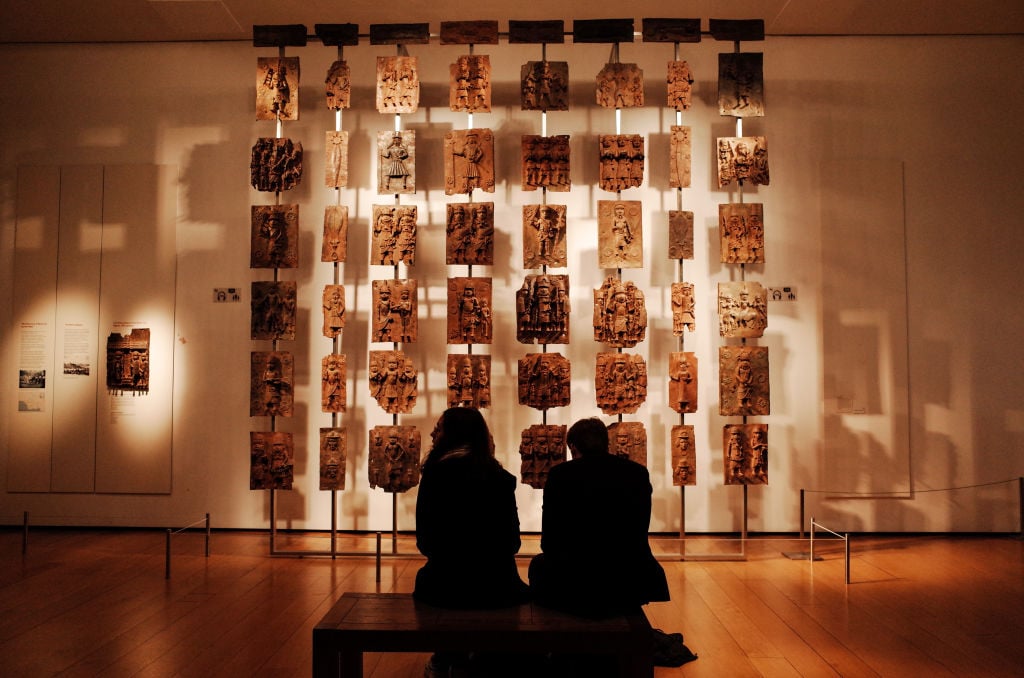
596 558
467 525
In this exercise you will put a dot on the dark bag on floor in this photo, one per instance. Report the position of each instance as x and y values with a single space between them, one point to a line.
669 649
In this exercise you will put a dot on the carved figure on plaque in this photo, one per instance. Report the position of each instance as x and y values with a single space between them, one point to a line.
544 86
333 383
274 236
469 311
743 381
620 241
683 316
398 84
336 163
128 361
620 86
621 381
395 311
276 164
333 455
745 449
393 235
469 161
541 447
628 439
470 84
682 382
338 86
277 88
544 381
742 309
272 310
742 159
334 310
679 157
684 458
620 313
680 85
271 384
542 310
397 166
469 232
544 232
741 84
680 234
394 460
741 233
335 243
622 161
271 465
393 381
546 162
469 380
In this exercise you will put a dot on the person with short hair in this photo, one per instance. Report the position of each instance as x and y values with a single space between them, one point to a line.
596 559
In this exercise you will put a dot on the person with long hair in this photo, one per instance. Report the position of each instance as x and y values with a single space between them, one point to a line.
467 522
467 525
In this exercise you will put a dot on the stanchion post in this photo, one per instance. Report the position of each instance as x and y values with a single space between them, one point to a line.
378 557
167 556
394 522
744 514
24 533
846 540
812 540
802 505
1020 490
207 535
682 511
334 524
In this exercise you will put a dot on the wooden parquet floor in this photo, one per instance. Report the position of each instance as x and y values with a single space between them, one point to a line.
96 603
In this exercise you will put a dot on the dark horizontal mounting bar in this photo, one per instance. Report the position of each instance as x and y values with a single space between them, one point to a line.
399 34
671 30
736 30
602 30
536 32
337 35
279 35
469 32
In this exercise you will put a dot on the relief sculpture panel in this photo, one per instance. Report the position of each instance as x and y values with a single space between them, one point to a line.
338 86
336 159
620 234
680 85
394 459
682 381
469 311
542 310
541 447
333 383
628 439
680 234
469 161
620 86
621 381
333 303
334 248
679 157
684 319
271 465
544 86
393 381
393 238
271 384
469 380
745 451
742 159
272 310
128 361
743 381
742 309
276 164
684 458
274 236
277 88
741 84
622 161
544 242
469 234
544 381
546 162
470 84
620 314
333 456
741 233
398 84
396 166
395 311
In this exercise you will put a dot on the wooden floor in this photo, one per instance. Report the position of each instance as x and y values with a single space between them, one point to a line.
95 602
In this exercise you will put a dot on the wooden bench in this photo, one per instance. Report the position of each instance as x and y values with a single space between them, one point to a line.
383 622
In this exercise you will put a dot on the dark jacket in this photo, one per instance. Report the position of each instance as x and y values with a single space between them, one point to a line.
467 525
596 558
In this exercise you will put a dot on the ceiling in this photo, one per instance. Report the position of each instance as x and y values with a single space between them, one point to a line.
40 21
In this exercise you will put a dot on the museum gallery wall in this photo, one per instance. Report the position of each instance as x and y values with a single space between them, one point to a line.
544 253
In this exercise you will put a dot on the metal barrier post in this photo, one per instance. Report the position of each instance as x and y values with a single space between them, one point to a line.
378 557
846 539
167 556
207 535
812 540
802 512
1020 489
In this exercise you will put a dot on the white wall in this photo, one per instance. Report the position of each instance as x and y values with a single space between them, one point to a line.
894 209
